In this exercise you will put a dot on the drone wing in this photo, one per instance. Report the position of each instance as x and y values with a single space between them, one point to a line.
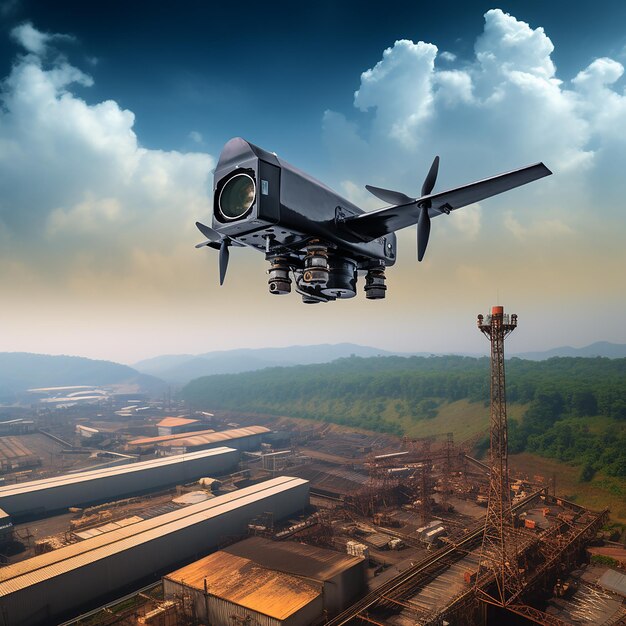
368 226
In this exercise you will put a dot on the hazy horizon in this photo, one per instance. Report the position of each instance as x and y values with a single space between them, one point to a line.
112 119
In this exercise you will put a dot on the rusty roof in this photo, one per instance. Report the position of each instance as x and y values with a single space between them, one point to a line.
223 435
244 582
294 558
175 421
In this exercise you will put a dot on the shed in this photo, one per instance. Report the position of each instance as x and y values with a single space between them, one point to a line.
613 581
175 425
342 576
223 586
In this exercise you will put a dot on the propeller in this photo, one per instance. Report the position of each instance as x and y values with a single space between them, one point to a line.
217 242
224 255
392 197
398 198
423 224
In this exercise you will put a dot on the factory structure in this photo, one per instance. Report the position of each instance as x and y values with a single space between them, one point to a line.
249 438
60 582
60 492
120 511
268 582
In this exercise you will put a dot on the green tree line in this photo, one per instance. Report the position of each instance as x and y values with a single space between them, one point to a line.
576 406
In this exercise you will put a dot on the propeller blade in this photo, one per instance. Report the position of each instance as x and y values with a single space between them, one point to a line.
423 233
431 177
210 244
224 254
208 232
391 197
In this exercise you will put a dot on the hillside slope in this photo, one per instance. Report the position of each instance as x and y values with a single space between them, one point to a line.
20 371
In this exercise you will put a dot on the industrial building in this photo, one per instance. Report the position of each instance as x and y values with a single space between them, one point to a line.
341 576
52 494
248 438
6 527
58 583
241 438
15 456
267 582
175 425
223 588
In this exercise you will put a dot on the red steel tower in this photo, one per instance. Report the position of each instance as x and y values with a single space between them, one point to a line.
499 554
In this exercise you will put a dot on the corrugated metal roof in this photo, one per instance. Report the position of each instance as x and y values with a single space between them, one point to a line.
146 441
46 483
294 558
40 568
243 582
175 421
192 440
613 581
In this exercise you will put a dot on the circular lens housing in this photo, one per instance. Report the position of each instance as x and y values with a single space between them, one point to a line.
236 197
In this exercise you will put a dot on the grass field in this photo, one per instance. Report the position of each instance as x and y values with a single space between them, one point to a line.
601 492
465 419
468 420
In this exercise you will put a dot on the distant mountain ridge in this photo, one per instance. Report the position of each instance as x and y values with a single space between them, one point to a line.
181 368
599 348
20 371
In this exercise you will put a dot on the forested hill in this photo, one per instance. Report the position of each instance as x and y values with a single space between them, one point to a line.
565 398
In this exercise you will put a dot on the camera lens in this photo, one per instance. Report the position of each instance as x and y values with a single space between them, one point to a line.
237 196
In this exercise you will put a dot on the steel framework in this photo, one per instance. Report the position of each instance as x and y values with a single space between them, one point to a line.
499 554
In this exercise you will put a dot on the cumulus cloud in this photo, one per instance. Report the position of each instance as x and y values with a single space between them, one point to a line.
447 56
34 40
504 107
78 187
405 69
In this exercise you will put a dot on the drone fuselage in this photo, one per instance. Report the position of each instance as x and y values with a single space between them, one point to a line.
311 233
291 209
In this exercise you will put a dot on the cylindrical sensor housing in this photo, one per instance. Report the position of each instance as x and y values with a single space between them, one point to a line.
316 264
375 287
342 278
279 282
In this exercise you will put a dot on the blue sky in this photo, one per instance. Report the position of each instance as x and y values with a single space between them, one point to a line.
113 116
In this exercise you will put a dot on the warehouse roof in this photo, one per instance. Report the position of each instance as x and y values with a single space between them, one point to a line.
232 433
614 581
247 584
294 558
39 568
223 435
65 479
197 439
150 441
175 421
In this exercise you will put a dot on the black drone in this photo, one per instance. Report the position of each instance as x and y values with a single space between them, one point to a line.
308 231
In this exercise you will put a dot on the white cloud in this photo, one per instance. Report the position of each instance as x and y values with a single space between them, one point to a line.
196 137
468 221
405 71
35 41
545 228
505 108
447 56
77 185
